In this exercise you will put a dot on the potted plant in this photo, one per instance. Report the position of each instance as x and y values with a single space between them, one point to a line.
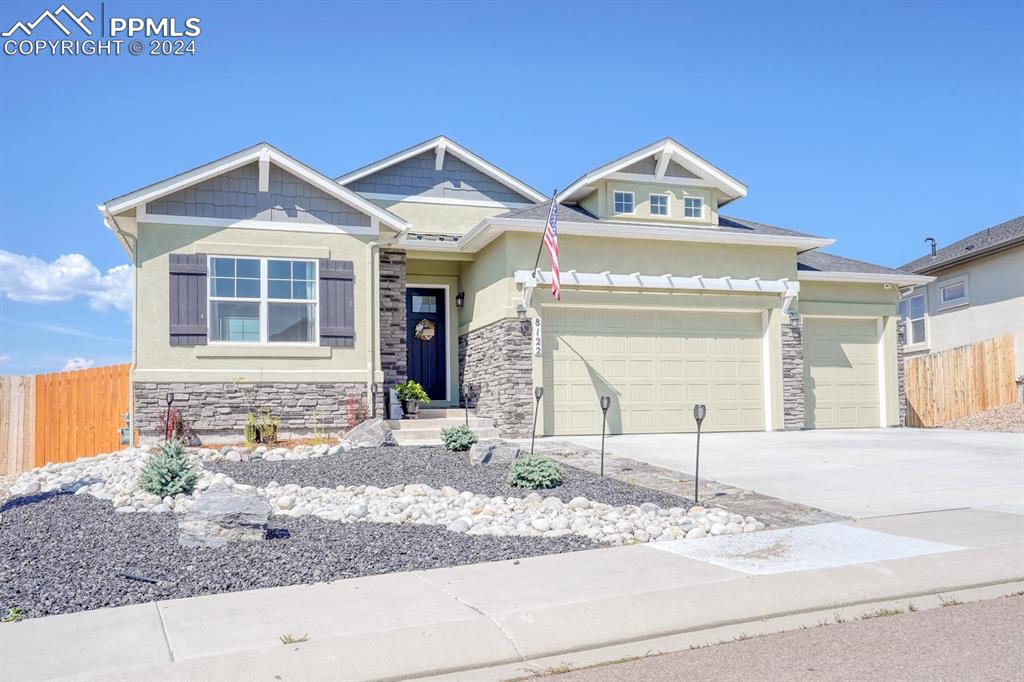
411 394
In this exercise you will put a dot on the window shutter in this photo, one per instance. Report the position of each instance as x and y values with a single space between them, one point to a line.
188 299
337 304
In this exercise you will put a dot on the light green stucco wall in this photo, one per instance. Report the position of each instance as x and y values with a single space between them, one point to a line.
157 360
440 218
600 202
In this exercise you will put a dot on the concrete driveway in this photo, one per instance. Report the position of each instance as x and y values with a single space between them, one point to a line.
855 472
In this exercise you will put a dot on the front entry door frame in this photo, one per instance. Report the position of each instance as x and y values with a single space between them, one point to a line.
447 330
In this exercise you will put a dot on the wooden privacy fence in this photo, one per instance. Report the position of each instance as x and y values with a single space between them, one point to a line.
62 416
960 382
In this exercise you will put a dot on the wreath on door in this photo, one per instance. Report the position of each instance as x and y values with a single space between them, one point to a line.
425 330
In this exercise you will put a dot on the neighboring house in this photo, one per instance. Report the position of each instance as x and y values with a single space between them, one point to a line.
977 293
260 281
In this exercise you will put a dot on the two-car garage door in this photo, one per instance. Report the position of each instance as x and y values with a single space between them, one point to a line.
655 365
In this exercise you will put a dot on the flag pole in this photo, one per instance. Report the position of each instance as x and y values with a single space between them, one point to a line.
540 247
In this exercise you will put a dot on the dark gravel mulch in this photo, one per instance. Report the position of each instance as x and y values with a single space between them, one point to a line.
61 553
436 467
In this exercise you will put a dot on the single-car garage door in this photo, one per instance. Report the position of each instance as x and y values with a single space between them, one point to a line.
655 365
841 373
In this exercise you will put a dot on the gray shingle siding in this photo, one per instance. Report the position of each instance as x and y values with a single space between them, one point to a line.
416 176
234 195
648 166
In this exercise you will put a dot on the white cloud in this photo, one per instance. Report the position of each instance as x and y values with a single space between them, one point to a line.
5 358
31 280
78 362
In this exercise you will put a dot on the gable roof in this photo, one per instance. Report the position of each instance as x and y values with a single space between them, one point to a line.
977 245
257 152
442 145
666 151
828 267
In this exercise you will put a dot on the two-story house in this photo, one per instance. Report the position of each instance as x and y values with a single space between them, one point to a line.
259 279
977 292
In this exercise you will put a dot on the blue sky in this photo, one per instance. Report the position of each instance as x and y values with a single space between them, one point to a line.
874 123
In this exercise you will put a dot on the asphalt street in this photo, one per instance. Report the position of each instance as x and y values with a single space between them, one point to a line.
976 641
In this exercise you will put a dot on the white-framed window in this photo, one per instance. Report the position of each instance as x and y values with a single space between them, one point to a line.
659 204
693 207
953 292
263 300
913 308
624 202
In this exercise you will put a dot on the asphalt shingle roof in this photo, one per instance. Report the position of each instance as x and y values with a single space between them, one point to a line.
578 215
986 240
821 261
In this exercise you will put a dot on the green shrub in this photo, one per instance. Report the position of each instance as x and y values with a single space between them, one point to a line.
535 472
410 390
458 438
168 472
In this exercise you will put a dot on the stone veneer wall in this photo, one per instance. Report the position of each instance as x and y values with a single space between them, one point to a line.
793 384
496 361
901 341
222 408
393 360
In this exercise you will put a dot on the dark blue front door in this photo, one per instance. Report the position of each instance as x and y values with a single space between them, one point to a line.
425 340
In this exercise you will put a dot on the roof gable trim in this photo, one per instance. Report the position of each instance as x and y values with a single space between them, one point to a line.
664 151
441 146
264 154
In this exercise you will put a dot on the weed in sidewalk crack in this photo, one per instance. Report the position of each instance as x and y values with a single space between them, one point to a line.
287 638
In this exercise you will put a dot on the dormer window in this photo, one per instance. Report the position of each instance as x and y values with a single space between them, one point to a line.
624 202
693 207
659 204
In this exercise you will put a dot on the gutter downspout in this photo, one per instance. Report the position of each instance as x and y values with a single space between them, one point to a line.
111 222
372 286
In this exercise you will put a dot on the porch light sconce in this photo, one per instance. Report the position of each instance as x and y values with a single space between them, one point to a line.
699 412
538 393
460 299
521 312
606 402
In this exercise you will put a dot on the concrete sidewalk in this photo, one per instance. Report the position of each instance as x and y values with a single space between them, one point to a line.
503 614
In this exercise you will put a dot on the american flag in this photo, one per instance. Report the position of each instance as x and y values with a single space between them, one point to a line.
551 241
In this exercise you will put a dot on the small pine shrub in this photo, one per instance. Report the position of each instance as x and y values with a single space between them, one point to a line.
458 438
535 472
168 472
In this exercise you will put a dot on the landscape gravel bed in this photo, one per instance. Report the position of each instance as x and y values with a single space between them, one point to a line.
61 553
1007 419
434 466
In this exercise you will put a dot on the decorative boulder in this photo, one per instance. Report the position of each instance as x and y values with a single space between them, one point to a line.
372 433
222 514
494 452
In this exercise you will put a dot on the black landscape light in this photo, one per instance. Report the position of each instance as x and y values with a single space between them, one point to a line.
699 412
538 393
467 395
606 402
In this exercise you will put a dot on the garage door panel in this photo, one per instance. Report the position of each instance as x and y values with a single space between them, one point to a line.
656 365
841 373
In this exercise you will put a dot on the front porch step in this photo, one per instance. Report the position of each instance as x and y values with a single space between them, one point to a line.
438 423
443 413
433 437
428 431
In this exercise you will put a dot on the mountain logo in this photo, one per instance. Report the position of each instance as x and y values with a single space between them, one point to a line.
78 20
